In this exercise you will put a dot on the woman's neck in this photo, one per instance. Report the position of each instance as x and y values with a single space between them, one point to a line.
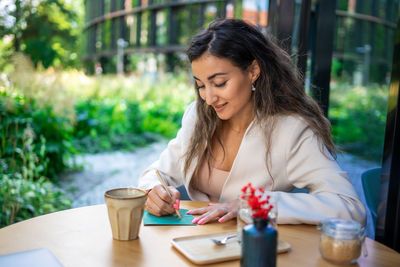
239 124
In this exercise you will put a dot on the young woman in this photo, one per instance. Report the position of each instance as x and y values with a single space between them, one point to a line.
251 122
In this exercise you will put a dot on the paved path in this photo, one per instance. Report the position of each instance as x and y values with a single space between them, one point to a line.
121 169
105 171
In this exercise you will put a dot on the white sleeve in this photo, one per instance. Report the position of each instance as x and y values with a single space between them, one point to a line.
330 192
171 161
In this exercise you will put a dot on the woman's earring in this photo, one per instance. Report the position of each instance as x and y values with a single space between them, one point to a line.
253 88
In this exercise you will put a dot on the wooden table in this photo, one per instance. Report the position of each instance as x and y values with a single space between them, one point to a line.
82 237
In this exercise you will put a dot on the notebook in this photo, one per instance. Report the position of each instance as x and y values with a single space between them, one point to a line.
41 257
172 219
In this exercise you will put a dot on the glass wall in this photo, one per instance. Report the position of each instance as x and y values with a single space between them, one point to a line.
360 75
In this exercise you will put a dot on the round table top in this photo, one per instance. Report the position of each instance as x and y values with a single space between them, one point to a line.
82 237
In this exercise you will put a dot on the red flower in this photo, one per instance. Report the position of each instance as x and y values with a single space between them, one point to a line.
259 206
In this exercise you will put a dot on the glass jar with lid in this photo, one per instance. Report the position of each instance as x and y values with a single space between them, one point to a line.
341 241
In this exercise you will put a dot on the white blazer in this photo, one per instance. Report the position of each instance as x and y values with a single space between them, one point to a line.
296 161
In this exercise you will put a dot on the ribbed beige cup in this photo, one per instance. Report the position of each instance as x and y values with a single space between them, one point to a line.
125 211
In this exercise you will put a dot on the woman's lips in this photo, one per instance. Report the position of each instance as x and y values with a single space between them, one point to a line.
219 108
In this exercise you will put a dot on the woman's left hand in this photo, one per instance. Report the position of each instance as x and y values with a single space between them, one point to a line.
219 211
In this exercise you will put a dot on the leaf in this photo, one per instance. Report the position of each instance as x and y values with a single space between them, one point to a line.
30 208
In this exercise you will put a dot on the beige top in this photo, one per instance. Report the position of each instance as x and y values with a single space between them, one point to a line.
295 160
212 183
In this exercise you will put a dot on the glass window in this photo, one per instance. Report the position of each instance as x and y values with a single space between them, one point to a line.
361 65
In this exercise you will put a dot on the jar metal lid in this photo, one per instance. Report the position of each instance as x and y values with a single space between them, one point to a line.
343 229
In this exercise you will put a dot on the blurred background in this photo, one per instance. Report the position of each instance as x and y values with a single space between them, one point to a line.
88 84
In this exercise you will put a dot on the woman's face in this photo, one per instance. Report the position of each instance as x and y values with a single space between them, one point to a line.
224 86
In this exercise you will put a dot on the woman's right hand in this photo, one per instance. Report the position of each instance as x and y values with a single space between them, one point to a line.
159 202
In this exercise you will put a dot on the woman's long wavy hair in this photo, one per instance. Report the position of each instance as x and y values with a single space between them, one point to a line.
279 87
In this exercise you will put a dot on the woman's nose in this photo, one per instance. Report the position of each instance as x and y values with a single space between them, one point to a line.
211 98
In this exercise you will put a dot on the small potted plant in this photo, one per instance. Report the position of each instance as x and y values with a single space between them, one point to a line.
259 240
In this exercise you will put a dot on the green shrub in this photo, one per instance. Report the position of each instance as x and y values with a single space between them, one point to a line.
116 112
358 117
22 199
79 113
24 191
19 114
162 119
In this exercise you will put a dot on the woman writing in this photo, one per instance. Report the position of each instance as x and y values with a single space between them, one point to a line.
251 122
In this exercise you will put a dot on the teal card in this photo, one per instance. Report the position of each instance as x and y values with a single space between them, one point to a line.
172 219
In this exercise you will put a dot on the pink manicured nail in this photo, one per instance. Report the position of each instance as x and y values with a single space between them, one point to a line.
221 220
201 221
195 220
176 207
189 212
177 202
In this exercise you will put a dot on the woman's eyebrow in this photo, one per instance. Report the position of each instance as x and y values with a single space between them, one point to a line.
212 76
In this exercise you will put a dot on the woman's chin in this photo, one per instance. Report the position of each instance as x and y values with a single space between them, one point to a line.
223 116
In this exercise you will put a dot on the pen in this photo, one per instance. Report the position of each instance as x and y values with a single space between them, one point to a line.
166 189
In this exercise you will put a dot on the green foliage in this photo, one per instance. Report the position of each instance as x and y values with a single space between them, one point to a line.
119 112
6 52
25 121
342 5
33 115
46 30
91 114
336 70
22 199
108 124
25 160
24 191
358 117
160 119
